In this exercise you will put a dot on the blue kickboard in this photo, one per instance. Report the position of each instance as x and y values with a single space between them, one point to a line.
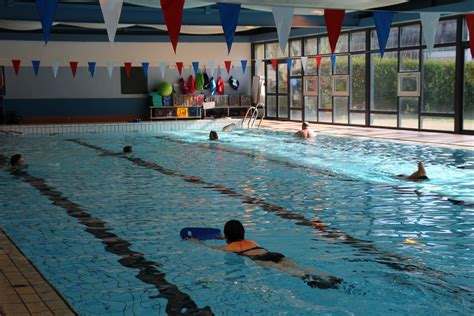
200 233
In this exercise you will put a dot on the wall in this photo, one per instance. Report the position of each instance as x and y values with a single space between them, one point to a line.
67 99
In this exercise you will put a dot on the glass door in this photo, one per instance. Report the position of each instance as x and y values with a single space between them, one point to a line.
277 90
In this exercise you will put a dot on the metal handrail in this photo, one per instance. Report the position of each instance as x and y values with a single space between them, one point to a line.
253 111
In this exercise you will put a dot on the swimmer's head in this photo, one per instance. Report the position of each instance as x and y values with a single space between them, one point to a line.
213 135
17 161
305 125
234 231
127 149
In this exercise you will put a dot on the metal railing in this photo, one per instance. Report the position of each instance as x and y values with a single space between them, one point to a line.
253 112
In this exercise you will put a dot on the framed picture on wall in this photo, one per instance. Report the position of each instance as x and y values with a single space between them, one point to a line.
408 84
310 86
340 86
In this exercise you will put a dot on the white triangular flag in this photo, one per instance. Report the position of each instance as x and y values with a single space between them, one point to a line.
55 66
283 17
258 62
429 22
110 68
304 62
111 10
212 65
163 69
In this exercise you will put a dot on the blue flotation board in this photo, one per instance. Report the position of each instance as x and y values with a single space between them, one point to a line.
200 233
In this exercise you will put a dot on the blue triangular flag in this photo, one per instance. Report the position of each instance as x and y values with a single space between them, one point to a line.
36 65
383 22
196 67
333 62
92 68
229 17
243 62
288 63
46 10
145 68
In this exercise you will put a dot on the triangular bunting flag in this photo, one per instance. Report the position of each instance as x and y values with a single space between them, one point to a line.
274 64
243 62
470 27
429 22
55 66
288 64
73 65
334 20
195 67
333 63
383 21
110 68
91 68
173 15
46 10
111 10
228 63
128 69
283 17
36 65
145 66
16 65
304 63
229 14
258 63
163 69
318 61
179 66
212 66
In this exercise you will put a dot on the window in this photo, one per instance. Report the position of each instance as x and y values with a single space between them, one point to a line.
259 51
341 113
446 32
310 85
383 76
311 46
409 112
311 67
358 82
295 48
273 50
392 41
468 113
358 41
409 60
311 108
340 85
296 92
410 35
324 47
342 65
325 84
342 44
438 80
296 67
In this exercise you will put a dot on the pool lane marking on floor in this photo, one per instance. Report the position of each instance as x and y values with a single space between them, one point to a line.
178 303
326 173
364 246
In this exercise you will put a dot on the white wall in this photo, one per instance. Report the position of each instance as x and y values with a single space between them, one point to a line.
27 86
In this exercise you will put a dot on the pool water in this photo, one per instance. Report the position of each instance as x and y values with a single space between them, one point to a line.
330 204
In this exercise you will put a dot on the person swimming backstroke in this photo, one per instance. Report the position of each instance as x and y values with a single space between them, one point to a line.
234 235
418 175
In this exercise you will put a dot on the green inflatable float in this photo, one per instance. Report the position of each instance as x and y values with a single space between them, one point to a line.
165 88
199 84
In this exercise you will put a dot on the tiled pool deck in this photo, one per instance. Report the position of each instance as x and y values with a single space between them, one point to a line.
24 291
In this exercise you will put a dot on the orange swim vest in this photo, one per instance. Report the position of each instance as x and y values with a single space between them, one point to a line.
241 246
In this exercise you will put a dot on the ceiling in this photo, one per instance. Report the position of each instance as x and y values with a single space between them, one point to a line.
201 18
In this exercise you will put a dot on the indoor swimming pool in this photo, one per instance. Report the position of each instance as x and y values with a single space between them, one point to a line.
103 227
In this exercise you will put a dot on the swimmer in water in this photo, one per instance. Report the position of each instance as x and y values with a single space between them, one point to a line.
234 235
229 128
418 175
305 132
213 135
127 149
16 161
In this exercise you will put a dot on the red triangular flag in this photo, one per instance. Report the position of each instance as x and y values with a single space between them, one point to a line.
179 66
228 63
128 69
173 14
470 27
334 20
73 65
318 61
16 65
274 64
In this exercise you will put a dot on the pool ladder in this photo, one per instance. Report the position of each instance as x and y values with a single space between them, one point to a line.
252 114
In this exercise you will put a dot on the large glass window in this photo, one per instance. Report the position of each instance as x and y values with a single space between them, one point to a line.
295 48
342 44
410 35
296 67
392 41
324 47
468 113
325 84
272 50
260 51
438 80
311 108
384 74
296 91
446 32
311 67
358 82
341 113
409 112
409 60
342 65
358 41
311 46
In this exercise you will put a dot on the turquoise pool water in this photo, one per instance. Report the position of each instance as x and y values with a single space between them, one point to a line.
329 204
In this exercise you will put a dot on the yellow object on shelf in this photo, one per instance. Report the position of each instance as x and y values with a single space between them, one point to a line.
182 112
